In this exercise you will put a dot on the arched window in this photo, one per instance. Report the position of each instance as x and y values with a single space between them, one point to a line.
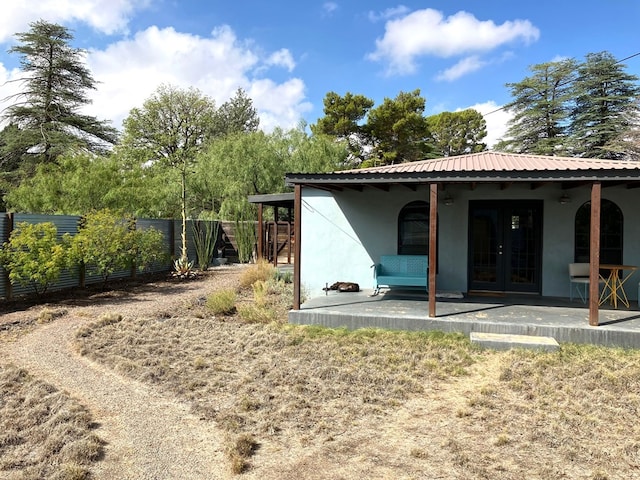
611 229
413 229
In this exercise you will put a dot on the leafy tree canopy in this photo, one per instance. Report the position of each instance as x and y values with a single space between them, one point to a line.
171 128
541 106
606 106
255 163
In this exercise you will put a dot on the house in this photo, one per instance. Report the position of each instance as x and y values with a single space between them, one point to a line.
489 222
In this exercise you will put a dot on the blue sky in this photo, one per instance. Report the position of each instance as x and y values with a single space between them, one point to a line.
288 54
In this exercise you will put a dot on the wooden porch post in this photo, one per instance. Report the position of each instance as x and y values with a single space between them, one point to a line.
275 235
433 227
594 254
297 237
260 233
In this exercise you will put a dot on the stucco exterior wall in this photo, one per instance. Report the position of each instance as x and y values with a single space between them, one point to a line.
344 233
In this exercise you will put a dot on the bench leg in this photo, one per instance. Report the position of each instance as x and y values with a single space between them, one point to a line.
376 291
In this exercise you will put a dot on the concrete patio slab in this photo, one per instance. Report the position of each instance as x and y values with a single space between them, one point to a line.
567 322
501 341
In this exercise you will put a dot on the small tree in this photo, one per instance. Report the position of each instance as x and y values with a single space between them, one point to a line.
34 255
104 243
171 129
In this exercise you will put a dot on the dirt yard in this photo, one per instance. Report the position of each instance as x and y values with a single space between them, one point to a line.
165 390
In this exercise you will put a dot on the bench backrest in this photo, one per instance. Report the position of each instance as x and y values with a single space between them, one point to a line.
411 265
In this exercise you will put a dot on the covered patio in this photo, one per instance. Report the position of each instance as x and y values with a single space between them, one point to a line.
559 318
498 224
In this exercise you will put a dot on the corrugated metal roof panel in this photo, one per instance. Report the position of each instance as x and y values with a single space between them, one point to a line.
499 162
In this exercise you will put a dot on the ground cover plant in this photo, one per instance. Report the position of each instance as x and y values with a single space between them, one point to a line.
43 432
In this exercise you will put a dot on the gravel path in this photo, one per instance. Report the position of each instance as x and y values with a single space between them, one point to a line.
148 435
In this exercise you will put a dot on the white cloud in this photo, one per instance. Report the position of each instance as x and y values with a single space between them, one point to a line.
282 58
464 66
107 16
131 70
388 13
8 88
280 105
428 32
496 118
330 7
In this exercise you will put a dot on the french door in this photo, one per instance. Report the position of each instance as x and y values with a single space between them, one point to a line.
505 246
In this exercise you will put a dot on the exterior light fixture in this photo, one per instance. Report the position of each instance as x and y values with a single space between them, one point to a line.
447 200
564 199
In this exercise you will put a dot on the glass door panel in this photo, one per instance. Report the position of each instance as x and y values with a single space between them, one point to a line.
505 246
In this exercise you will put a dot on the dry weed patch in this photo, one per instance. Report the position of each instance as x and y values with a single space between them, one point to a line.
44 433
273 381
261 271
575 410
494 415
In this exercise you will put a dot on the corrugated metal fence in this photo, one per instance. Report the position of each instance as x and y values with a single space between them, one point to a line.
171 230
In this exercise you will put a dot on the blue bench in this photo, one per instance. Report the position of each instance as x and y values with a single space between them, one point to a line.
400 271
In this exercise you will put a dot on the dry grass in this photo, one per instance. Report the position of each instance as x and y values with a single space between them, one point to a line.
268 380
572 414
313 403
339 394
43 433
261 271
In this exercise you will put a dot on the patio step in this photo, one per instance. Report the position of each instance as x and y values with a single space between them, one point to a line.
505 341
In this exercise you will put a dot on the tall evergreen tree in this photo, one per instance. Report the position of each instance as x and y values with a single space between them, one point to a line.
344 119
237 115
399 130
55 85
457 133
541 106
606 108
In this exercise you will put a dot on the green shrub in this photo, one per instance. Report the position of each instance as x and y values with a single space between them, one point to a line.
148 248
34 255
222 302
107 242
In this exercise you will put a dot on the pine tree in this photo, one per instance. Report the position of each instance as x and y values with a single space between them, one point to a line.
237 115
606 110
541 106
46 111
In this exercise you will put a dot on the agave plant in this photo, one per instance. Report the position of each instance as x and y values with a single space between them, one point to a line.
183 268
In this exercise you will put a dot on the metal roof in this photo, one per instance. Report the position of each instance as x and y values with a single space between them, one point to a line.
480 167
273 199
501 162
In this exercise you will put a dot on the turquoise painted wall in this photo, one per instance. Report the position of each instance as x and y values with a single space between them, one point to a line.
344 233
